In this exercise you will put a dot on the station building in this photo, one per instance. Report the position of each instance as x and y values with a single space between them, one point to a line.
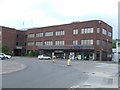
88 40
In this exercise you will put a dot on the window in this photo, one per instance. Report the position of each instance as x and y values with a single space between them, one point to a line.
109 34
98 30
30 36
39 43
75 31
48 43
104 31
49 34
98 42
82 31
110 44
59 33
17 35
39 34
87 30
87 42
75 42
104 42
59 42
30 43
16 43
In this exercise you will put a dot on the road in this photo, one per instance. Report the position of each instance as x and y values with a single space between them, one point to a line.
41 74
45 74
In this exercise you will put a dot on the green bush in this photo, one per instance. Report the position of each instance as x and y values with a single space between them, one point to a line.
36 53
5 49
9 53
33 53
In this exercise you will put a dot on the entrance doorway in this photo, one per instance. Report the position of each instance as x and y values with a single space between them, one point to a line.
17 52
59 55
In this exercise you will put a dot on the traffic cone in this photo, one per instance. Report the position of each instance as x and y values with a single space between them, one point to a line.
69 62
53 61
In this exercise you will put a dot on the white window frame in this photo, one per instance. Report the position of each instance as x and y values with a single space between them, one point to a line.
48 43
59 42
48 34
31 35
98 30
75 42
75 31
104 31
39 43
60 32
40 34
30 43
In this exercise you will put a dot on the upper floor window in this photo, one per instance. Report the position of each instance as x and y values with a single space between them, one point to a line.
39 34
48 43
16 43
17 35
39 43
75 31
109 34
59 33
59 42
110 44
87 30
98 42
30 43
75 42
87 42
104 42
98 30
104 31
30 36
48 33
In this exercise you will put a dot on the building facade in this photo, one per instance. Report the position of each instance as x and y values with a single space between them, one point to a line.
89 40
14 39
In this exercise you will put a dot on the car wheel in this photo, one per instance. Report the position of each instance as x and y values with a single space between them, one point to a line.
7 57
2 58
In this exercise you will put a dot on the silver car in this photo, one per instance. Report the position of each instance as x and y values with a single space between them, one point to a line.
6 56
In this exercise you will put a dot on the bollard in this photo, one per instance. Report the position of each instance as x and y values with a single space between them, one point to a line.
69 62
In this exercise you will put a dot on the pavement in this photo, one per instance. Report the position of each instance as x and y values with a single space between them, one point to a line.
9 67
103 71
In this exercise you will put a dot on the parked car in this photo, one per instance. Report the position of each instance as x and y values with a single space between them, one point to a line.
6 56
2 57
44 57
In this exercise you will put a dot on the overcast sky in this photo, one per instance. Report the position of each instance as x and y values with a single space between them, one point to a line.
41 13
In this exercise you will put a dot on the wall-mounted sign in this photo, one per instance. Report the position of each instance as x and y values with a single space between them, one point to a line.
57 51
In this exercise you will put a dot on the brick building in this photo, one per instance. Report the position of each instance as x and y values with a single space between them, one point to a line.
13 39
89 40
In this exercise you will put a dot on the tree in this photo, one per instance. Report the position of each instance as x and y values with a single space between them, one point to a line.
114 44
5 49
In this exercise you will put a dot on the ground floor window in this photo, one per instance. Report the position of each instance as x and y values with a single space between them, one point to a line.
73 55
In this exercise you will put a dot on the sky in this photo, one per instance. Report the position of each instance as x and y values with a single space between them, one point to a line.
41 13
